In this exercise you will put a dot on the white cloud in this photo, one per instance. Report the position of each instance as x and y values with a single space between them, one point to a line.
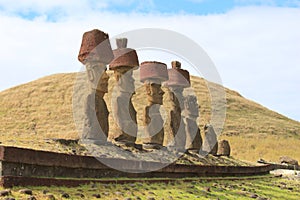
255 49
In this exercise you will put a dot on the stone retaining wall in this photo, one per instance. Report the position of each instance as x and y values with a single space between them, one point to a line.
20 164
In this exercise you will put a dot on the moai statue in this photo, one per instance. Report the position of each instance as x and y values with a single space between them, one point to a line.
178 80
223 148
210 144
125 61
193 135
152 74
95 53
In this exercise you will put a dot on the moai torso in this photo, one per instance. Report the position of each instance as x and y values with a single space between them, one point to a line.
154 131
124 114
193 135
173 119
95 53
153 74
210 144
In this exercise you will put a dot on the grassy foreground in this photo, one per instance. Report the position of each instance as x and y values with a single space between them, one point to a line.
262 188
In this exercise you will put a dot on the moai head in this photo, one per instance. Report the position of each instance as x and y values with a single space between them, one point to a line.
124 62
178 80
125 80
191 106
95 53
154 93
95 47
97 76
152 74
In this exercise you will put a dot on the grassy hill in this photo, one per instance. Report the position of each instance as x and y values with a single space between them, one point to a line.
42 109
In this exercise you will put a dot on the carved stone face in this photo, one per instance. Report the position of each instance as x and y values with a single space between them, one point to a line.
103 83
125 80
191 105
177 96
155 93
97 76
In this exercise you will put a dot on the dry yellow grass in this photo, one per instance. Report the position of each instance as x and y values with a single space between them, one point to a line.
43 109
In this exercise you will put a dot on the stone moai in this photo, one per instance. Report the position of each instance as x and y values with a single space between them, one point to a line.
224 148
193 135
153 74
95 53
210 144
125 61
178 80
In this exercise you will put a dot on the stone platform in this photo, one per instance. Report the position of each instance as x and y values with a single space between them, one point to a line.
31 167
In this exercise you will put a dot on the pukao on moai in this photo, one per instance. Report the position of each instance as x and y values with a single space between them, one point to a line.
210 144
152 74
125 61
178 80
95 53
193 135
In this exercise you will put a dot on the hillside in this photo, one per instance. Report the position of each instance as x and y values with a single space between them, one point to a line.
42 109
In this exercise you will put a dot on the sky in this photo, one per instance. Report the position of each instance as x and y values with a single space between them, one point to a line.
255 44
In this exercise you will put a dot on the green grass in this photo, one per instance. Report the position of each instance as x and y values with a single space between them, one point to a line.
198 189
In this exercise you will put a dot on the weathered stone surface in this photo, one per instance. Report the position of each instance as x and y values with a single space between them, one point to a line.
224 148
177 76
95 52
154 131
124 113
210 144
123 56
288 160
173 118
95 46
125 119
191 113
155 71
97 78
152 74
96 125
175 126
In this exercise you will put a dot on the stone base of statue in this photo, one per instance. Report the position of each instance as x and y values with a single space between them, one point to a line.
210 144
125 130
154 131
193 135
96 118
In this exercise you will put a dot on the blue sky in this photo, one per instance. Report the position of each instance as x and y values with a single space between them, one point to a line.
253 43
56 10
